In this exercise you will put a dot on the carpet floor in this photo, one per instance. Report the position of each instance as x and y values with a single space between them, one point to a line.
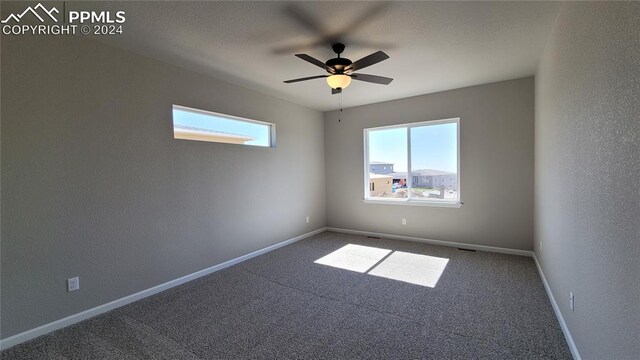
364 298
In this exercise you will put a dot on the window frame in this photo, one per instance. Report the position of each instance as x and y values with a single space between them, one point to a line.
272 126
412 201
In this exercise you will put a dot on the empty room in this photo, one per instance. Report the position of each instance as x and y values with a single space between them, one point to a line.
320 180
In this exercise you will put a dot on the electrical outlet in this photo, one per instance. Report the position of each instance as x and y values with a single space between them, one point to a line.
73 284
404 221
540 245
571 301
307 219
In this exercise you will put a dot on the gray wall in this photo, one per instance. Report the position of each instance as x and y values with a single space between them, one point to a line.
587 192
92 177
496 129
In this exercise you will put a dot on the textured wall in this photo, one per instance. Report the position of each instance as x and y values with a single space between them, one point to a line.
587 192
92 177
496 150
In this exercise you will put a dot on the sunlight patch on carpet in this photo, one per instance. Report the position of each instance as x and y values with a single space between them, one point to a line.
417 269
352 257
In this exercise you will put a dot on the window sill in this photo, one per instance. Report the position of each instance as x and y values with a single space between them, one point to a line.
408 202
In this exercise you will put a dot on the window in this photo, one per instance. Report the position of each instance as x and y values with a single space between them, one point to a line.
200 125
425 157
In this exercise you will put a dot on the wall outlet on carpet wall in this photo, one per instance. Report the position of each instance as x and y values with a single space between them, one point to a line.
404 221
73 284
307 219
571 300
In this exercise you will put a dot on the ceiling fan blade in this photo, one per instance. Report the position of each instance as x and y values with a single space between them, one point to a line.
372 78
335 91
376 10
288 49
305 78
314 61
369 60
305 19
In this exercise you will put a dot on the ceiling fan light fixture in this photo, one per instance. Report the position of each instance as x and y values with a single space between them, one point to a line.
339 81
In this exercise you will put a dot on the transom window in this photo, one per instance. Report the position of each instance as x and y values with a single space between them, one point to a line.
425 158
201 125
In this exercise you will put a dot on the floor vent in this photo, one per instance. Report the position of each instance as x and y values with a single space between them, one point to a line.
466 250
372 237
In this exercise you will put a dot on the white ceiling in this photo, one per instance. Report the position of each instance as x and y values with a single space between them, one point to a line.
433 46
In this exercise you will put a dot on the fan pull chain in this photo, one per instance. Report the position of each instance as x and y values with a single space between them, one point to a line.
340 115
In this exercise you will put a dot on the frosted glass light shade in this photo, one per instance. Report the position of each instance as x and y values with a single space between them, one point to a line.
339 81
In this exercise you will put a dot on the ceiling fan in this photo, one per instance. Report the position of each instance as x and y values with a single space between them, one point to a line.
341 70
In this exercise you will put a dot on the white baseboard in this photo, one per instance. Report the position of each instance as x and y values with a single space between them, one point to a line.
556 309
437 242
75 318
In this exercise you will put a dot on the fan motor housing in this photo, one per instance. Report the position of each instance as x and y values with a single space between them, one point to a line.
339 64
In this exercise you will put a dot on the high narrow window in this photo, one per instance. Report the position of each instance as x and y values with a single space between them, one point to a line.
200 125
425 161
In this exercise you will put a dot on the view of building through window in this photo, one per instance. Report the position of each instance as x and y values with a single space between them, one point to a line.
413 161
200 125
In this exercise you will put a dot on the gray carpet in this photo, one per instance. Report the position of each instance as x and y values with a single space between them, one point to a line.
283 305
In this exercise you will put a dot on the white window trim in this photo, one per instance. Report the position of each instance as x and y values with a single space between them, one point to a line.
412 201
272 126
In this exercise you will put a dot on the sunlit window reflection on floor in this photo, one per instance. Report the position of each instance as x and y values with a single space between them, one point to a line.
416 269
354 257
